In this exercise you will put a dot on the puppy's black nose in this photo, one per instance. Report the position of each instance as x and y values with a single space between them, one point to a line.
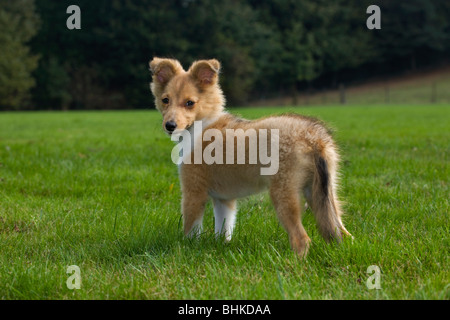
171 126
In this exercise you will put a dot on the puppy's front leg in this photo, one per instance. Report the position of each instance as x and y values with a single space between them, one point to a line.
193 207
225 217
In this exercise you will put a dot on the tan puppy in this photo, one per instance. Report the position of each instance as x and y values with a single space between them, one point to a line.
307 158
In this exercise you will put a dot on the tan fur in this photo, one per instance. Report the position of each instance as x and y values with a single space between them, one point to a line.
307 155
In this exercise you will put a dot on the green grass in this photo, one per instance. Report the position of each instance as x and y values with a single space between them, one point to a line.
99 190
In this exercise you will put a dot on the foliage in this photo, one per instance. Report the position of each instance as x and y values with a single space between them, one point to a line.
18 24
267 47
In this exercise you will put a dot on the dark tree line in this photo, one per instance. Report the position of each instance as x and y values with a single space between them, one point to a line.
266 47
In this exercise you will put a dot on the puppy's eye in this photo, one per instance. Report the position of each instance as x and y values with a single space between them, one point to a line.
165 100
190 103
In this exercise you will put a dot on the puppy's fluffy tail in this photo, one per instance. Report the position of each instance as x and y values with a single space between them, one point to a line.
325 205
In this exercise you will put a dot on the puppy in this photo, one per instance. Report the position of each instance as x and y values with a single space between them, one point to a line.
306 167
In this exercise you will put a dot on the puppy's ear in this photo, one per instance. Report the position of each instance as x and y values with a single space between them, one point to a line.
206 72
164 69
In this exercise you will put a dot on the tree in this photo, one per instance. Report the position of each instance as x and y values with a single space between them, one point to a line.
225 30
413 30
266 47
18 24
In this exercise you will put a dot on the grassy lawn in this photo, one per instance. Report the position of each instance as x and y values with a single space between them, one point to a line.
98 190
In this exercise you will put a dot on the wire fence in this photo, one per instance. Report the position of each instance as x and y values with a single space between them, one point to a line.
433 92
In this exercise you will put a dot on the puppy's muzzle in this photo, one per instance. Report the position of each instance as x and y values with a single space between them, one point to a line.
170 126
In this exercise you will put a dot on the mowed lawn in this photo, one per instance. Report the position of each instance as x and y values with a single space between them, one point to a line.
98 190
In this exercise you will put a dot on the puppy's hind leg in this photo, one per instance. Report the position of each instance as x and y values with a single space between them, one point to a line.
225 217
287 205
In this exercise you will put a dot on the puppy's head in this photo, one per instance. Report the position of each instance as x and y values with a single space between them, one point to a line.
182 96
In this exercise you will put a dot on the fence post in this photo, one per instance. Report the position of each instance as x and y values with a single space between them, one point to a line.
324 96
294 95
342 93
387 98
433 92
